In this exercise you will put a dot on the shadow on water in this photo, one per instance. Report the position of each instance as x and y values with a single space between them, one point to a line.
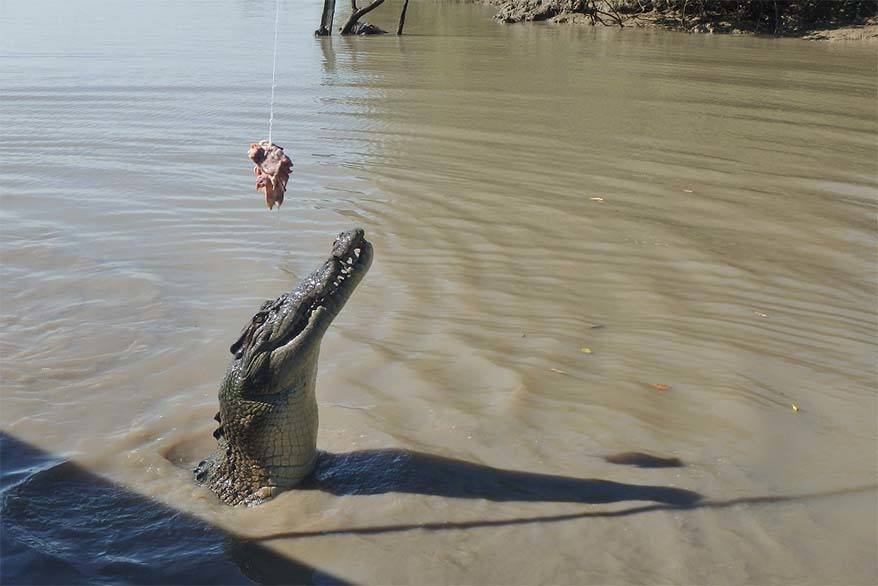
394 470
382 471
64 525
642 460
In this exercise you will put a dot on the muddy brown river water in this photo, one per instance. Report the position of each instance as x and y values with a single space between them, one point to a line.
562 218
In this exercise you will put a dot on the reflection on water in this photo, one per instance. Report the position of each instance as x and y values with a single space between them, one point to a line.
696 211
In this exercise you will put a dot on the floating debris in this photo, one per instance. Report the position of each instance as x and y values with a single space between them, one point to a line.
795 408
660 386
760 314
559 371
586 350
596 199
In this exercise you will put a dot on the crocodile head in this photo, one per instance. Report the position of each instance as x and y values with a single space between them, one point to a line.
268 410
282 339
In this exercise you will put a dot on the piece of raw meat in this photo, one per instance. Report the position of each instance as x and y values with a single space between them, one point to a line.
272 171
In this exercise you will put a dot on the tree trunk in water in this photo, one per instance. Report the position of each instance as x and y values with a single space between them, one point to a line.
326 20
402 18
357 14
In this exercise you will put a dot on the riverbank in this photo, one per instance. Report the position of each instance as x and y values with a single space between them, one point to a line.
853 26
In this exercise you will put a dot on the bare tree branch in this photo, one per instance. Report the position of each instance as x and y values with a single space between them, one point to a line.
326 19
402 18
615 12
357 14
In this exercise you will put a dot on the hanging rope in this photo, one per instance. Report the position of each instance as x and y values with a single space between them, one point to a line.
273 71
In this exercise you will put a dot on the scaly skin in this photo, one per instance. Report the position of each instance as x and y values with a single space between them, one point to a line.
268 408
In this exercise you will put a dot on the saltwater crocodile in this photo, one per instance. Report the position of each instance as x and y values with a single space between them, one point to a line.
267 431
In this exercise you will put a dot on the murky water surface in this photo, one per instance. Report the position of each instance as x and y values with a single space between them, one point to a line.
697 211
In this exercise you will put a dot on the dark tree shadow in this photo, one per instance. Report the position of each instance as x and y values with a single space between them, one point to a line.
484 523
60 524
643 460
381 471
396 470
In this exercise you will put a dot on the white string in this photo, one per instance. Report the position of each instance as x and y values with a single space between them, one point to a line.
273 71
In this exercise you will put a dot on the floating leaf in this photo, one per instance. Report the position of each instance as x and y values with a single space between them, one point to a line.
687 190
596 199
795 408
660 387
559 371
586 350
761 314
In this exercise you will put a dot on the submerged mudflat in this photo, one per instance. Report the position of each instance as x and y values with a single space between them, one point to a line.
588 242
